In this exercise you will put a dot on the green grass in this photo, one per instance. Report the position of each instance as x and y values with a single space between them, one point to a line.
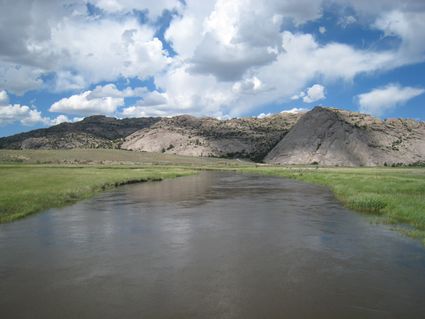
396 195
111 157
34 180
27 189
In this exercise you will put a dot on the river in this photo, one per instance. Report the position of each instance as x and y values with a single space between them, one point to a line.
216 245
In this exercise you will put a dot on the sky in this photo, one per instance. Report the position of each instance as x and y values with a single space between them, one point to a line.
65 60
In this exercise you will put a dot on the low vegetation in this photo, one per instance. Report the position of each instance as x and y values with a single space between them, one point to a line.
27 189
34 180
396 195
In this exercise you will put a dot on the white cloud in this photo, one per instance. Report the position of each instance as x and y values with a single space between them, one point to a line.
110 90
409 27
101 100
295 110
264 115
10 113
28 116
381 100
20 113
154 98
230 38
18 78
107 49
60 38
139 111
345 21
248 86
84 105
298 96
60 119
154 8
4 98
312 94
231 56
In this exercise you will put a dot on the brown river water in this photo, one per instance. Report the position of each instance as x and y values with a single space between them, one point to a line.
217 245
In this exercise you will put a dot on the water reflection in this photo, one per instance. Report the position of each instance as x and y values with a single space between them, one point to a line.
216 245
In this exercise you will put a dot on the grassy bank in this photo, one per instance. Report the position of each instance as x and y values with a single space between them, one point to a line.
27 189
396 195
34 180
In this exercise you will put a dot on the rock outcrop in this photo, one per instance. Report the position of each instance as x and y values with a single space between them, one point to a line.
329 136
250 138
325 136
93 132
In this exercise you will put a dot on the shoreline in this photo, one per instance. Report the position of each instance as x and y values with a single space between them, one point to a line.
30 190
392 196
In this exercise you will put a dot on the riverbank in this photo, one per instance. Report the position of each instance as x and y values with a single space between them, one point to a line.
35 180
28 189
395 196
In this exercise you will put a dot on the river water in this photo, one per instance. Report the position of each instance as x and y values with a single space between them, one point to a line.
217 245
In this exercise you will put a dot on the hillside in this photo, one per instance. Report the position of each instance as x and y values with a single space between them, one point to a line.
325 136
93 132
249 138
329 136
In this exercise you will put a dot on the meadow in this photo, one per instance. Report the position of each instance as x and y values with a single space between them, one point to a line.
35 180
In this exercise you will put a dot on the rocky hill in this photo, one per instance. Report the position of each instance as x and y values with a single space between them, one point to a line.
325 136
329 136
249 138
93 132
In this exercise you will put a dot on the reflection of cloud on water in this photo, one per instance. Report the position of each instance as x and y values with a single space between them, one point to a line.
180 190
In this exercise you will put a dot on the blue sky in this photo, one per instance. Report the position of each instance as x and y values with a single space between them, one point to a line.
64 60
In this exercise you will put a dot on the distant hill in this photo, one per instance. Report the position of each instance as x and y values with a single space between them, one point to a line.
93 132
329 136
250 138
325 136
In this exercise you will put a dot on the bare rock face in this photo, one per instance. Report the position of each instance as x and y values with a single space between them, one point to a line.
249 138
330 136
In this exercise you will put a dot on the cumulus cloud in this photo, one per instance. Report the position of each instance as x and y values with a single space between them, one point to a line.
409 27
25 115
18 78
11 113
60 119
230 38
84 105
101 100
295 110
381 100
229 57
263 115
312 94
108 49
248 86
111 90
45 42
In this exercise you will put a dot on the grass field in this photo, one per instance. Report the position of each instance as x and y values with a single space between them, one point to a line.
34 180
27 189
396 195
111 157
